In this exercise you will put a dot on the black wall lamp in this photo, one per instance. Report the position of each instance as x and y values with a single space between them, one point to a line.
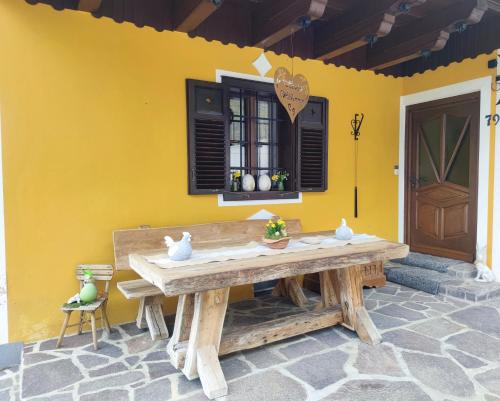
356 124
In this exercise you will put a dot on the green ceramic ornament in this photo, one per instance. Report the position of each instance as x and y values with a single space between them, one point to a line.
88 292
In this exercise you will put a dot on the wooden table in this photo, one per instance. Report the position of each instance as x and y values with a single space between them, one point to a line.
197 340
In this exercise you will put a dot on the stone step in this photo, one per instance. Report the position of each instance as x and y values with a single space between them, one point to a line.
10 355
457 282
430 262
470 290
415 277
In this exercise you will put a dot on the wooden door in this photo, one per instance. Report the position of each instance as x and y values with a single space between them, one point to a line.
442 177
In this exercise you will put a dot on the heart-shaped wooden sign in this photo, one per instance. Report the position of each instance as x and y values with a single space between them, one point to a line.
292 91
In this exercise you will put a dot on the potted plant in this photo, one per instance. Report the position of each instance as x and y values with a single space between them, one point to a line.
279 178
276 236
235 181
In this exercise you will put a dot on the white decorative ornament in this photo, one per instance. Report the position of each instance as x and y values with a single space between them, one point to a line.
248 183
262 214
264 183
344 232
484 274
74 299
180 250
262 65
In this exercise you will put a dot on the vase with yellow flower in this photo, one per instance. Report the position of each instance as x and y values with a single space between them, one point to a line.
276 236
279 179
235 181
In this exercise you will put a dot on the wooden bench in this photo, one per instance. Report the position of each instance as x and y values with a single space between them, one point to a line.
150 313
229 233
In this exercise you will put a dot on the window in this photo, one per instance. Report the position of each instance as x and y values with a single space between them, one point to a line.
240 125
253 128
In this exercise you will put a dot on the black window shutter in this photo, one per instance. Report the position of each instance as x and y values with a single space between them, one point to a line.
312 146
207 137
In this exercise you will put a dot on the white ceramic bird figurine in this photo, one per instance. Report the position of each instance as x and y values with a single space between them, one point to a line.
484 274
343 232
180 250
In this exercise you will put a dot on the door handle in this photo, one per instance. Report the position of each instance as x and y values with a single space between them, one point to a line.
414 181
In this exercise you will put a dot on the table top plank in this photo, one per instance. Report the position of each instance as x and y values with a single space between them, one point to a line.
210 276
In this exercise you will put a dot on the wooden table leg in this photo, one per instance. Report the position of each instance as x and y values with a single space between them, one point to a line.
328 295
349 286
152 307
182 327
202 358
291 288
141 314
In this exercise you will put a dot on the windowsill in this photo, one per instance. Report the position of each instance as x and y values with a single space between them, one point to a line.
259 198
259 195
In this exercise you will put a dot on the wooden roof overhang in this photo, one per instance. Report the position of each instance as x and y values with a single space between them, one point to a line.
393 37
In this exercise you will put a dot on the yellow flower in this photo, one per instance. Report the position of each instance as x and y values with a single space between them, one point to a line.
281 222
237 174
273 226
274 177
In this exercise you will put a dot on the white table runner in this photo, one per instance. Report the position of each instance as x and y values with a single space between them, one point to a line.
254 249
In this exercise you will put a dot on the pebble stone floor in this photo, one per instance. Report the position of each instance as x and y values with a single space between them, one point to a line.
434 348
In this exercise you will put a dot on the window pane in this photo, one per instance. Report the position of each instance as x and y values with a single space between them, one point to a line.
263 128
432 133
235 129
235 106
237 155
263 156
459 171
264 109
454 126
426 173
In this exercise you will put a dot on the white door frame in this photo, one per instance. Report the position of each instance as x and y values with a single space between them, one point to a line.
482 85
4 318
495 262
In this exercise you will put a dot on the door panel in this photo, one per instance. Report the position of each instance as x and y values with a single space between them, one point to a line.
442 177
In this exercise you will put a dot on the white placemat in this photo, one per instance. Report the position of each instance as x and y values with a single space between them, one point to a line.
254 249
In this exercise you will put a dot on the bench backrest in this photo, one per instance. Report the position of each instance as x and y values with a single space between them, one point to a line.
202 236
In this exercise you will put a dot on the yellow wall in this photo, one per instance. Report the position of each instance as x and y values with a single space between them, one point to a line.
94 139
452 74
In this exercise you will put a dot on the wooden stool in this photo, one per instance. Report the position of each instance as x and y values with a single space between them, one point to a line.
100 273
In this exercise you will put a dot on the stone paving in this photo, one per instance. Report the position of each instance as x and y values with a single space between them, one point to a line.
434 348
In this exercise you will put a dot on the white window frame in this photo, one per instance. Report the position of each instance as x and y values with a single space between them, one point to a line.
495 262
4 317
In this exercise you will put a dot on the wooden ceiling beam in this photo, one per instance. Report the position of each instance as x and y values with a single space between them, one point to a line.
361 25
89 5
189 14
279 19
494 5
422 37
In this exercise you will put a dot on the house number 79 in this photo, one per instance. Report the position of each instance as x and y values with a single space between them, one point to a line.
495 118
